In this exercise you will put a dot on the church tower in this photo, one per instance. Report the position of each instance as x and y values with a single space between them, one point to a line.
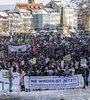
31 1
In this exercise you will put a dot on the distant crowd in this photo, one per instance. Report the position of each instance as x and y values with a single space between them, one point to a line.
47 54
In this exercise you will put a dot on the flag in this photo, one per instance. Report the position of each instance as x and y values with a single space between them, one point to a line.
26 41
34 49
19 40
9 51
5 41
28 45
2 41
34 41
31 40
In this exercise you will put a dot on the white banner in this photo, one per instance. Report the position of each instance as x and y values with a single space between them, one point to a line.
62 64
4 79
16 48
83 62
26 81
44 82
89 76
56 82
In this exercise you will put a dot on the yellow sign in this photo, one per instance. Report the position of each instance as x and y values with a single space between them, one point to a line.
34 60
67 57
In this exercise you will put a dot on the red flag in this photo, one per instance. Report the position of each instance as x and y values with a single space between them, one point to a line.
5 41
9 51
34 49
34 41
2 41
28 45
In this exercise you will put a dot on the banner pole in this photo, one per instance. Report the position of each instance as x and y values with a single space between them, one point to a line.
2 85
30 83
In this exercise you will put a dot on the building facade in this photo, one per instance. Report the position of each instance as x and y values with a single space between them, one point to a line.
14 23
45 19
27 21
70 14
84 17
4 23
26 12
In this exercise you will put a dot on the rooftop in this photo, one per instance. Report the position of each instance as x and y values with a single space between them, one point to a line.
3 14
32 6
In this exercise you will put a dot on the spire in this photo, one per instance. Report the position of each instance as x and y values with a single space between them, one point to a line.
63 19
31 1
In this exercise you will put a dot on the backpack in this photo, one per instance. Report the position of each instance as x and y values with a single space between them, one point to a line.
7 74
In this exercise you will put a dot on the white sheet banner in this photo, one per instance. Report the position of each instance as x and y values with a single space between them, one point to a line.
16 48
83 62
26 81
4 79
89 76
45 82
55 82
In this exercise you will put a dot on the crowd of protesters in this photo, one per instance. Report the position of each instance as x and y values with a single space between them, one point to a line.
48 50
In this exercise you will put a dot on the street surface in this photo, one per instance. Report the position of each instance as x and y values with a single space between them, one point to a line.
66 94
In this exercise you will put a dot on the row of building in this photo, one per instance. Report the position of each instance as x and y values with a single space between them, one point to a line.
26 17
84 16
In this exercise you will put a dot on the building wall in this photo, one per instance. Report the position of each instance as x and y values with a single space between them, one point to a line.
70 15
26 25
71 19
27 22
43 21
57 17
86 21
4 25
48 21
14 23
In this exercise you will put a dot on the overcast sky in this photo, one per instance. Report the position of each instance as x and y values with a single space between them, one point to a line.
3 2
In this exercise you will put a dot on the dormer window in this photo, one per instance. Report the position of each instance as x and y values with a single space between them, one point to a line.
39 7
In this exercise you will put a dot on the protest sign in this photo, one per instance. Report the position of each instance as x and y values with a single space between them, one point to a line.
34 60
83 62
67 57
62 64
16 48
47 60
22 62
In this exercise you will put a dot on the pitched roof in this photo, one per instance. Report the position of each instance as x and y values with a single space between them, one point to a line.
30 6
3 14
51 10
59 3
41 11
9 12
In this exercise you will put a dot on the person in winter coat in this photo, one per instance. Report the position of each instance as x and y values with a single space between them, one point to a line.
11 77
86 70
22 81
